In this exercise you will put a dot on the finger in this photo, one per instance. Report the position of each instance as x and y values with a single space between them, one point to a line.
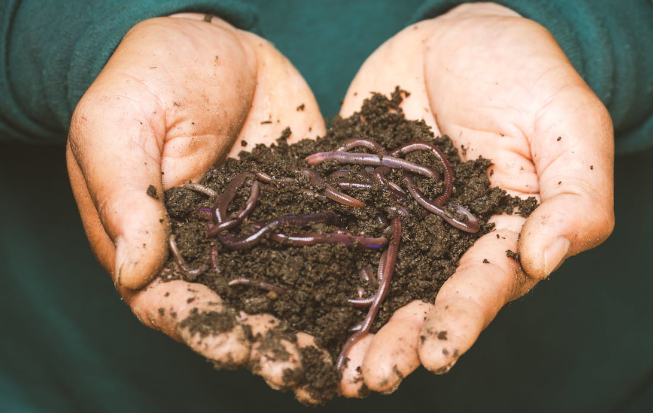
398 62
129 120
117 189
274 353
319 376
195 315
485 280
392 355
282 100
574 155
352 383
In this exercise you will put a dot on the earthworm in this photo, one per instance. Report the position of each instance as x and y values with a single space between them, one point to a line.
201 189
214 258
360 291
470 225
401 211
368 276
380 173
361 302
388 187
367 143
330 192
236 243
373 160
223 201
263 177
394 190
355 327
366 302
389 259
312 193
191 273
267 178
249 207
346 184
347 240
448 172
258 284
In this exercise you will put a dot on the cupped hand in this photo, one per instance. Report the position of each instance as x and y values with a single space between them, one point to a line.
179 95
501 87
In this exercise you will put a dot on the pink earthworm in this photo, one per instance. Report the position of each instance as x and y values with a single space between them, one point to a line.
373 160
258 284
366 143
223 201
448 172
240 216
240 243
394 190
267 178
389 257
191 273
368 276
366 302
201 189
214 258
347 184
330 192
470 224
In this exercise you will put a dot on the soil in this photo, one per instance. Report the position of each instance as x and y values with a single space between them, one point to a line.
319 279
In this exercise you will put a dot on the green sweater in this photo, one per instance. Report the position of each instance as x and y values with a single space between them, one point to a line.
42 79
580 343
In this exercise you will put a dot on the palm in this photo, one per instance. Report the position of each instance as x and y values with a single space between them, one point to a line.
171 102
500 87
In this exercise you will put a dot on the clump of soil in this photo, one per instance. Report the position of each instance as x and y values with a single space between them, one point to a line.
320 279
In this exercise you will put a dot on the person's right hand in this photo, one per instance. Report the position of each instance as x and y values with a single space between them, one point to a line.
178 96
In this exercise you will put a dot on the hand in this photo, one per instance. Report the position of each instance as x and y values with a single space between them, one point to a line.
499 85
179 95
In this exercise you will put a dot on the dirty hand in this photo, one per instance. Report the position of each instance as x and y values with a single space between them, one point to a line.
178 95
499 85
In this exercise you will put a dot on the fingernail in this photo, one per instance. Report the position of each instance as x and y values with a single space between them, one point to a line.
555 254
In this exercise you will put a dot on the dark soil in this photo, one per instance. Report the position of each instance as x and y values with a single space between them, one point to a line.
320 279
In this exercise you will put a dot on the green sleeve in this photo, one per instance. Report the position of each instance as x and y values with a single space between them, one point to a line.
609 44
51 51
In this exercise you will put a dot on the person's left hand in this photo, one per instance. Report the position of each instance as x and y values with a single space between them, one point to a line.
499 85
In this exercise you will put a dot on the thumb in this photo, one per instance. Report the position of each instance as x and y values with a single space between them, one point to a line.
131 126
573 152
114 164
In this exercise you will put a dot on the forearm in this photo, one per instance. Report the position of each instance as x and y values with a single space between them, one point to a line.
50 52
608 43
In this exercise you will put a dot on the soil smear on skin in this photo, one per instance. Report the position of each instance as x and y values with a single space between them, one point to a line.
319 279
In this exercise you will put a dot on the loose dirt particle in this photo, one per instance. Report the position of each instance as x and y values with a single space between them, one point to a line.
151 191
